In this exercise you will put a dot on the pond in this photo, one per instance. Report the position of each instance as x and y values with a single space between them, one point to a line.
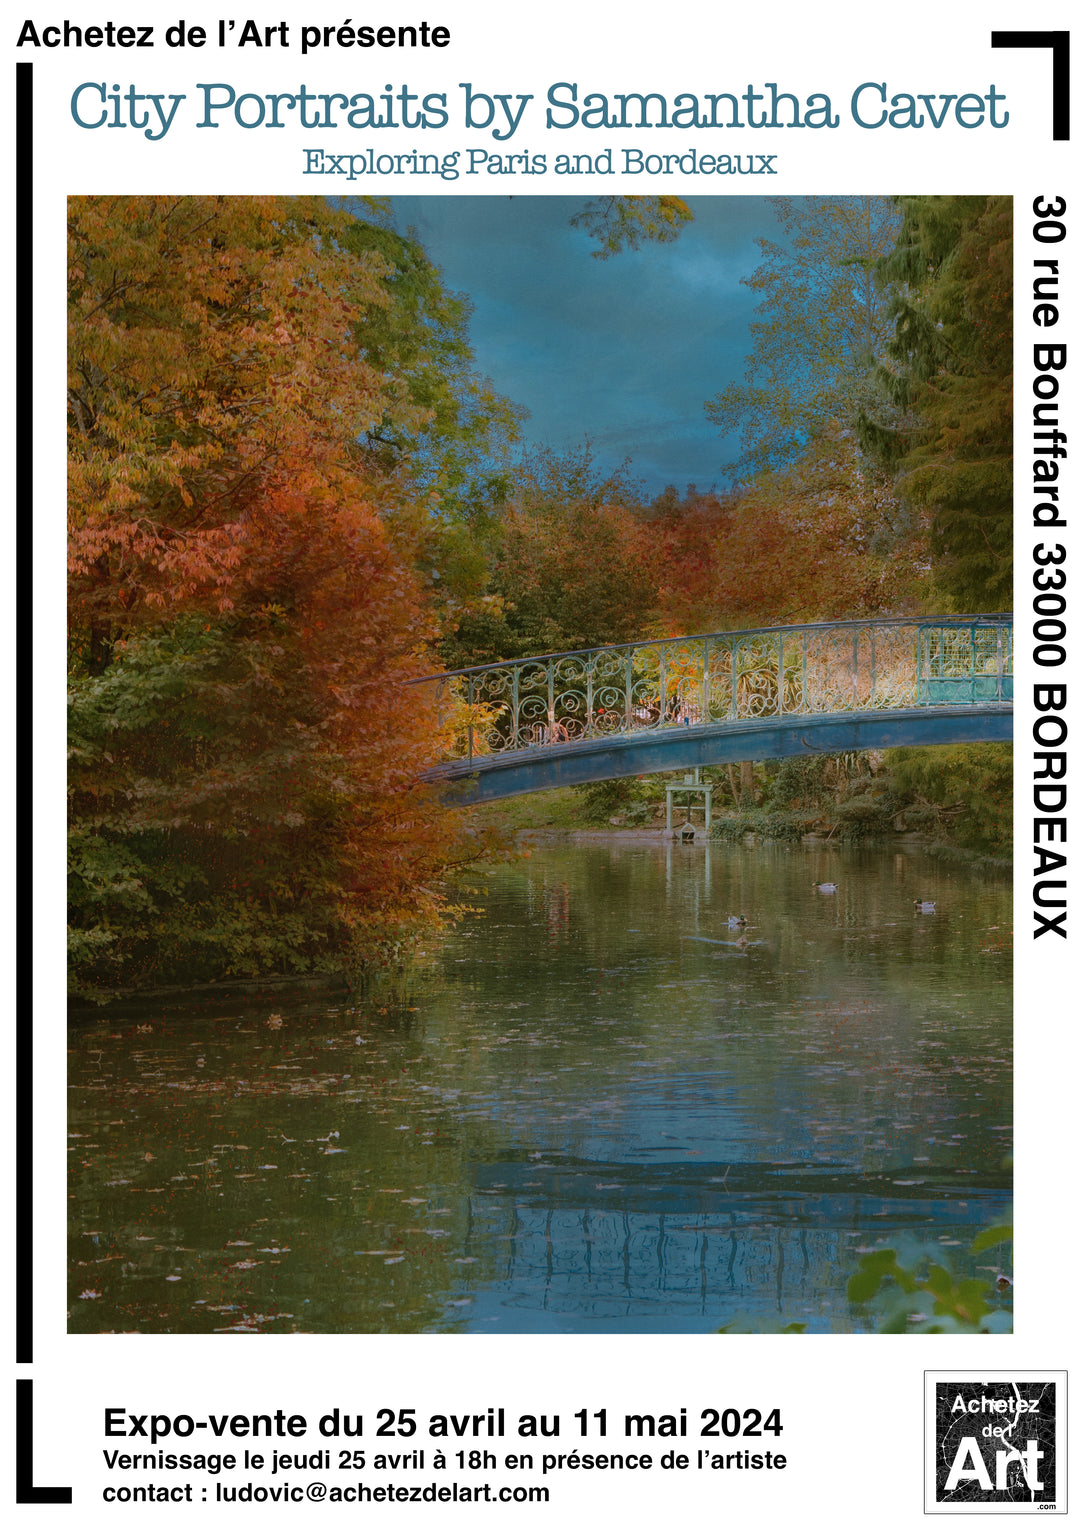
595 1106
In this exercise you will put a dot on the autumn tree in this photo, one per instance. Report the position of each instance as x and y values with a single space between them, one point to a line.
244 740
209 343
826 539
572 566
821 320
243 789
947 375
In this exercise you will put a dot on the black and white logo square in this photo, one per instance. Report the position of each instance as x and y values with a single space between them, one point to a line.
995 1442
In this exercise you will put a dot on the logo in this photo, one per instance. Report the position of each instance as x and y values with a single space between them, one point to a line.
995 1442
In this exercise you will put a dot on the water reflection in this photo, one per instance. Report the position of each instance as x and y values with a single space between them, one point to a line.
599 1108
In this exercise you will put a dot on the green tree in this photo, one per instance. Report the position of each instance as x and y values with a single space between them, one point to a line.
822 318
948 375
450 429
445 436
965 790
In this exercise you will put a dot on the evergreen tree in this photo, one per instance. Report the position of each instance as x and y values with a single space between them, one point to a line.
948 369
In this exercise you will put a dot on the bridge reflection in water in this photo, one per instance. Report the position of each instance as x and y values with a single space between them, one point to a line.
760 1241
606 712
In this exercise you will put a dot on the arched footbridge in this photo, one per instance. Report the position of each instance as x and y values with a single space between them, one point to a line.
571 718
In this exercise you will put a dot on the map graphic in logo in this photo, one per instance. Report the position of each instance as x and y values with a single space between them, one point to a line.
995 1442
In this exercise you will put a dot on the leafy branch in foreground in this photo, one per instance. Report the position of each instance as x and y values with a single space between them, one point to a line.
911 1291
626 222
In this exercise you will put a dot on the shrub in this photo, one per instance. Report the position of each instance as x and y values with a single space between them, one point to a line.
967 788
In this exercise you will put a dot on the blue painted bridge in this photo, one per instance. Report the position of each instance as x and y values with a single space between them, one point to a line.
646 707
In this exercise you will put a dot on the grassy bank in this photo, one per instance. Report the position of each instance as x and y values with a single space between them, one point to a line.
956 800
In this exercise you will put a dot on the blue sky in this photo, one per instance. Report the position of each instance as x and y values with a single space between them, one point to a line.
625 351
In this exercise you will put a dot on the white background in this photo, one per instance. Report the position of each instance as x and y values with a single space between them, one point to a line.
852 1406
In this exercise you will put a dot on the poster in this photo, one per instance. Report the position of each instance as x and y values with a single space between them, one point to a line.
838 103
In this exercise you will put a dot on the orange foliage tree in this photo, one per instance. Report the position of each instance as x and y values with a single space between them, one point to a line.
824 540
572 564
244 741
210 351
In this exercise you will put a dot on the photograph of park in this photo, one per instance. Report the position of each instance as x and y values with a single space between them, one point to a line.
540 688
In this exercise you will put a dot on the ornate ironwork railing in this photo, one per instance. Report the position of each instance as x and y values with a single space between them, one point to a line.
850 665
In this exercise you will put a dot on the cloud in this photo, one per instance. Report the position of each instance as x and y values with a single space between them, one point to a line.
626 350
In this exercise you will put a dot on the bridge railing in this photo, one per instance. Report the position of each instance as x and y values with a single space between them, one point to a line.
851 665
